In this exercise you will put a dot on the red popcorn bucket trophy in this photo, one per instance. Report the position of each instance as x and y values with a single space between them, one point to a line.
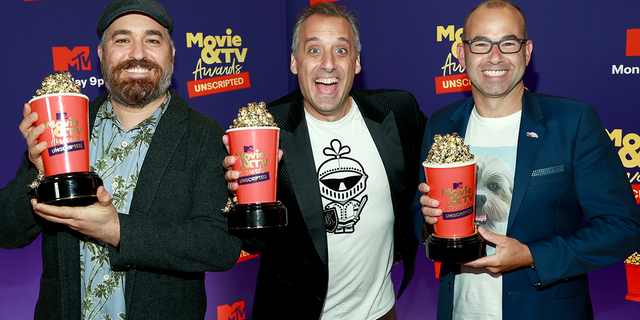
68 181
256 151
455 238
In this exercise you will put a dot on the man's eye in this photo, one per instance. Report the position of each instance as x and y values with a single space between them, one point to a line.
314 50
341 51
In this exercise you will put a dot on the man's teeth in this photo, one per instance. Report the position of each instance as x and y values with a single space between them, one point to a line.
496 73
137 70
327 81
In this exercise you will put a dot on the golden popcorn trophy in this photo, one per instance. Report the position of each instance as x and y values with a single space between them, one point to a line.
65 113
450 172
254 141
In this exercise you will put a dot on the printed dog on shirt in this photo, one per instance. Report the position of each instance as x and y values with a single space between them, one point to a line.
494 189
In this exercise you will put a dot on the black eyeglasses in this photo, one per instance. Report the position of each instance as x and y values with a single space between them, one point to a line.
506 46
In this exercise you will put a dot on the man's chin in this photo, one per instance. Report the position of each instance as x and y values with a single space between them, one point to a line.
136 95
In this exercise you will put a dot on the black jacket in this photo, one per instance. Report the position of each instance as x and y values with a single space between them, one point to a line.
293 276
173 233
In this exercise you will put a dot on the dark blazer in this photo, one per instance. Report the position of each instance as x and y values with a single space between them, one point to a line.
293 276
569 175
173 233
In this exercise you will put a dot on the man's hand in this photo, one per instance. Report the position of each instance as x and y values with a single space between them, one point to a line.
31 134
232 175
429 205
99 220
510 254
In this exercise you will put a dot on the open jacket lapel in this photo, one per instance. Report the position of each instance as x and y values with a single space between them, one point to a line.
385 135
301 168
528 146
168 136
460 119
528 151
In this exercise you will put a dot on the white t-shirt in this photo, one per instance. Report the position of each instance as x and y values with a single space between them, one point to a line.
493 142
358 217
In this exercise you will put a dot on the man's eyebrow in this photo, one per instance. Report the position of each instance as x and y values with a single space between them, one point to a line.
311 39
121 32
154 32
125 32
505 37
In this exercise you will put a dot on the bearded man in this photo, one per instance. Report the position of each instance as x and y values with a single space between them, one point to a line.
141 251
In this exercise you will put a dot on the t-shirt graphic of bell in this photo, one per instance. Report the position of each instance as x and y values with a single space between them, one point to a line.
342 180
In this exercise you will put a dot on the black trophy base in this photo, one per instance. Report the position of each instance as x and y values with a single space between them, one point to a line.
75 189
257 218
455 250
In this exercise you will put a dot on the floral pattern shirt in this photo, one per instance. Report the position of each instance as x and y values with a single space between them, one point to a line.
116 156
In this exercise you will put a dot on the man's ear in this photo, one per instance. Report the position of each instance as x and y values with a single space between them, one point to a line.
294 64
460 51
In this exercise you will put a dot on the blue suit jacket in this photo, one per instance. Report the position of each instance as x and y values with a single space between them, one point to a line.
572 205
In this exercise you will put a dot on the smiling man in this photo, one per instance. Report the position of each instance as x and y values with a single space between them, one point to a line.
351 161
142 250
554 197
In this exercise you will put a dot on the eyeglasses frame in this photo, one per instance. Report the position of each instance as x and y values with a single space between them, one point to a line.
521 41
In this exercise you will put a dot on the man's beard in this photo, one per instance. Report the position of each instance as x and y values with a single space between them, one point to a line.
139 92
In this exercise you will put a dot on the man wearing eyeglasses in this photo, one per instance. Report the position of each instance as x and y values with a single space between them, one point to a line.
552 199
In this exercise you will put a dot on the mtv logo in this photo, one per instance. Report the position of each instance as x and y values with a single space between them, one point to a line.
78 58
234 312
633 42
248 148
457 185
61 116
314 2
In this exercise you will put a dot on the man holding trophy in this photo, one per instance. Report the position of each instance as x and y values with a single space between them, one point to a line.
552 198
155 227
350 163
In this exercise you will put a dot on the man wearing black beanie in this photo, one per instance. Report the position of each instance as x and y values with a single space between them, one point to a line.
142 250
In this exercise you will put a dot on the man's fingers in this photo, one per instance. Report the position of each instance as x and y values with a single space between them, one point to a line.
424 188
54 213
430 219
225 140
228 162
488 235
26 125
104 198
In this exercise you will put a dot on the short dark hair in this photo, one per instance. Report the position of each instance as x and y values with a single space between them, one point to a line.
326 9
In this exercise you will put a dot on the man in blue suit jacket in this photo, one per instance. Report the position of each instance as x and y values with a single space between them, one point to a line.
552 197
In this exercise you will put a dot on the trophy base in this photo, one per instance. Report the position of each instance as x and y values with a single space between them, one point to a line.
70 189
254 218
455 250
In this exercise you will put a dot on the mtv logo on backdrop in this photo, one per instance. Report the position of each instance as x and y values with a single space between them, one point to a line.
234 312
633 42
314 2
77 58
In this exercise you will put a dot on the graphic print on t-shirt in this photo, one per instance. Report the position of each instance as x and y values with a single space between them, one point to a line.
494 189
342 181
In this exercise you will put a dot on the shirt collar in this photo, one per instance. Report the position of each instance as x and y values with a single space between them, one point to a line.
106 113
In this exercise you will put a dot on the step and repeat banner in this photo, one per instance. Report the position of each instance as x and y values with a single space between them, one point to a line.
230 53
